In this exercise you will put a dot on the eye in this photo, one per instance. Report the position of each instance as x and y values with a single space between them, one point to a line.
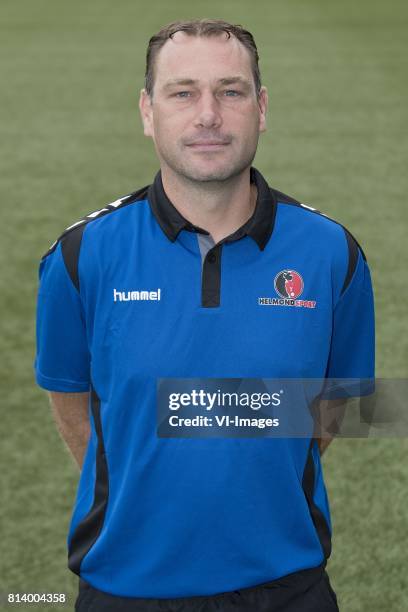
234 93
182 94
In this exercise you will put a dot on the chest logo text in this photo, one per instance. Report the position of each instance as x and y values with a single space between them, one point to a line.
289 286
130 296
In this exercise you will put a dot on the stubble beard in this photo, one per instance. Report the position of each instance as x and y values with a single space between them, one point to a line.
191 172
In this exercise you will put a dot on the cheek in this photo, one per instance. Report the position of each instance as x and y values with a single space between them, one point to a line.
168 127
246 119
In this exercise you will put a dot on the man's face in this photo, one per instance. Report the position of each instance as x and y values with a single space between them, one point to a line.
205 117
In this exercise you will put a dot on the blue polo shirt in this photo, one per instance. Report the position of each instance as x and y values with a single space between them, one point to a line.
134 293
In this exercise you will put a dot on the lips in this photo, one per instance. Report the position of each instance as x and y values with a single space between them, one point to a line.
205 143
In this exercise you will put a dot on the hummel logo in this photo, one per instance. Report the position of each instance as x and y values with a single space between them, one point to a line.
126 296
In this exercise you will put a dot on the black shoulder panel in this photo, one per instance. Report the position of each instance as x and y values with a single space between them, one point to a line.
353 248
282 197
70 247
353 245
71 237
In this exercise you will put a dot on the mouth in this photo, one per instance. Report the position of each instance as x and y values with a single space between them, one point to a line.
207 145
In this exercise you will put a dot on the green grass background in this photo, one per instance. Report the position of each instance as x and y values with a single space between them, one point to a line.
72 141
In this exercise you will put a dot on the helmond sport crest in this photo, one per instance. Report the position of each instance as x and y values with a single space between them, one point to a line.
289 285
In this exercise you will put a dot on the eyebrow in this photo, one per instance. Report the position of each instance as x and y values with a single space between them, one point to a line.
224 81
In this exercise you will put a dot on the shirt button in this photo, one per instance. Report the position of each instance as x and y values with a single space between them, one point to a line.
211 257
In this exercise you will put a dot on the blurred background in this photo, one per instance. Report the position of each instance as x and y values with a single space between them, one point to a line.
72 141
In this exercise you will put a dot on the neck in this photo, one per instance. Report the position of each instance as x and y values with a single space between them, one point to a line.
220 207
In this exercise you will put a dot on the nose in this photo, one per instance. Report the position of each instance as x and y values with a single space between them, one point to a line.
208 112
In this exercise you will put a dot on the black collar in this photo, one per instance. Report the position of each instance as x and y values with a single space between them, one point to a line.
259 226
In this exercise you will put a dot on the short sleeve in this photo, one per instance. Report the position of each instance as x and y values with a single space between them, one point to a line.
352 350
62 361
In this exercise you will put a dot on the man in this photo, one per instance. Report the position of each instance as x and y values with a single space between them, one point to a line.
206 273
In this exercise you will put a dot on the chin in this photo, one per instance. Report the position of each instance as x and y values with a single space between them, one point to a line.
207 176
212 172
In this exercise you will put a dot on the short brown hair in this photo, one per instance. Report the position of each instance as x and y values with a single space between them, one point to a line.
200 27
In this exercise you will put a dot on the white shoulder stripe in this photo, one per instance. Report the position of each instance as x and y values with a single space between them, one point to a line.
96 213
314 209
85 219
74 225
306 206
128 198
116 202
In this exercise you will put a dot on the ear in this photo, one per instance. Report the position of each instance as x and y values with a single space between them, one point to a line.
263 108
146 112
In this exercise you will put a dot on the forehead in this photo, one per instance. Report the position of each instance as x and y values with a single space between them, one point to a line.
202 57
